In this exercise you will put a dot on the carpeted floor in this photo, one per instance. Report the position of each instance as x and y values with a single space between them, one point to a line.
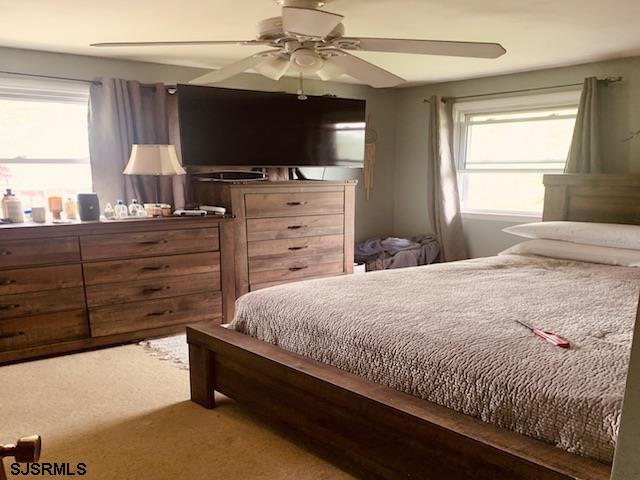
126 415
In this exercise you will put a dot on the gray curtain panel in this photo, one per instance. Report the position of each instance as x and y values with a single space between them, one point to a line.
443 197
584 154
121 113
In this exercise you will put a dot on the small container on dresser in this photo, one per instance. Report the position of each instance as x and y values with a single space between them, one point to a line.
12 207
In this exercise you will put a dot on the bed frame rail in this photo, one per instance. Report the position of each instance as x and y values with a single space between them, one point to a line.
374 430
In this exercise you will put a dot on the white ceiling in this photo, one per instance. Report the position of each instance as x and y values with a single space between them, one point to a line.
536 33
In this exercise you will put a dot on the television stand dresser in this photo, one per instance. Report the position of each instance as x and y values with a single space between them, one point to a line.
69 287
285 231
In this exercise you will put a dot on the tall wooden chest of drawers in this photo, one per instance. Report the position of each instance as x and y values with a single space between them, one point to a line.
286 231
69 287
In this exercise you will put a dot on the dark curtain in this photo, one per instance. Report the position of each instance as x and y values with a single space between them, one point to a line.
123 113
584 153
442 187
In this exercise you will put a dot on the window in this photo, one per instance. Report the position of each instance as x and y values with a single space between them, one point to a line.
504 146
44 145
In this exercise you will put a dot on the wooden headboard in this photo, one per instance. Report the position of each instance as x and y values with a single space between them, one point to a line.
592 198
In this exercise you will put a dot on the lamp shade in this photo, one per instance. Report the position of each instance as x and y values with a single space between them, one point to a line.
154 160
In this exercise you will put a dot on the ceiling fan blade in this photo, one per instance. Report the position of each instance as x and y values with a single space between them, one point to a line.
309 22
362 70
428 47
188 42
273 68
232 69
330 70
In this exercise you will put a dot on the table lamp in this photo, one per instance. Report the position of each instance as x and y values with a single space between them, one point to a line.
154 160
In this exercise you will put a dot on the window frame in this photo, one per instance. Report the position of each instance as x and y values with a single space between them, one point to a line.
514 104
41 91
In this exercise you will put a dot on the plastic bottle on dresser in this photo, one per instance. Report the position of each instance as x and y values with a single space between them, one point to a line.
135 209
121 210
12 207
109 213
70 209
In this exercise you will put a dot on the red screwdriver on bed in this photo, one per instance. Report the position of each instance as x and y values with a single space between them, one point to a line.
547 336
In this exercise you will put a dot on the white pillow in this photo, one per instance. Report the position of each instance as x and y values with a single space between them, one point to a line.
577 252
601 234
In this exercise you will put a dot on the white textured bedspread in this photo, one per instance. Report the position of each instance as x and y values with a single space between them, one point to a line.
447 333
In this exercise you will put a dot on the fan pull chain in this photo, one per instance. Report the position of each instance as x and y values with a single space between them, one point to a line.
301 95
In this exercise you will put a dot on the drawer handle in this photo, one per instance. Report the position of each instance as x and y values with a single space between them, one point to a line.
6 281
153 242
11 335
296 269
299 248
156 267
4 253
9 306
296 204
296 227
150 290
159 314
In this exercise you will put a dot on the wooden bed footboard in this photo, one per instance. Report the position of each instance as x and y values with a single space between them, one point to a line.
377 431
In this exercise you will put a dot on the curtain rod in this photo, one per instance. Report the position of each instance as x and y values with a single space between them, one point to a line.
607 81
69 79
53 77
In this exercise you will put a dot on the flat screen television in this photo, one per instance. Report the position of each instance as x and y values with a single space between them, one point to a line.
227 127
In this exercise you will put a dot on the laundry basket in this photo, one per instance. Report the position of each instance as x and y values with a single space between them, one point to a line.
393 252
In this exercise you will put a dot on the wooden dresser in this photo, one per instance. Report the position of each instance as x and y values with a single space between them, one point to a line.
286 231
71 287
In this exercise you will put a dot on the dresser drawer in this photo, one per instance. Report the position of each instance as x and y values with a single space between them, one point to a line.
96 273
25 280
259 286
151 289
18 253
293 204
147 244
296 247
36 303
156 313
281 262
296 269
23 332
294 227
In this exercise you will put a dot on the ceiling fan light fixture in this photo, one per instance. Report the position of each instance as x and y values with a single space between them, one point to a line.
273 68
306 60
330 70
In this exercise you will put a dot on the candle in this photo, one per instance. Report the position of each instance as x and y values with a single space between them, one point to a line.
55 207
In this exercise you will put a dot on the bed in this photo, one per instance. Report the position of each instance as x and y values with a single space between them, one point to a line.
467 394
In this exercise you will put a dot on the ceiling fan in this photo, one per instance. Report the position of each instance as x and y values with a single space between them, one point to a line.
308 40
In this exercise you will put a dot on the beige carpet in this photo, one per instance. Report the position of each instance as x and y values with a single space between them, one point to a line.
126 415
